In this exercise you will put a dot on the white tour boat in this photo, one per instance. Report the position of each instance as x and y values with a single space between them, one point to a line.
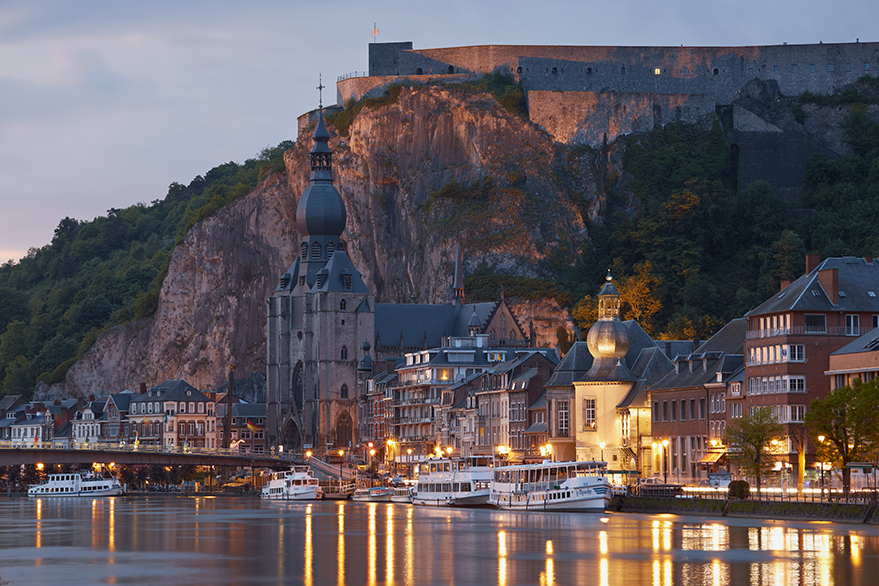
378 494
401 494
82 483
296 484
454 482
552 486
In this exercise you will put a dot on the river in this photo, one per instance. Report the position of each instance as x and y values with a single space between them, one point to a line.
169 540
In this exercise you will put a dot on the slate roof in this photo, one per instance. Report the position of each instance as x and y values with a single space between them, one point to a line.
172 390
7 401
242 410
857 279
335 270
723 353
414 321
869 342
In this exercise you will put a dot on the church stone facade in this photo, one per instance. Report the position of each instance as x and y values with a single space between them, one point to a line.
323 321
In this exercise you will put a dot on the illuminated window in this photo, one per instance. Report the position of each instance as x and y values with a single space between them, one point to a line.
564 422
657 71
589 413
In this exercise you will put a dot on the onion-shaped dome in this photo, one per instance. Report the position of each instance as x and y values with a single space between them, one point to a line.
321 210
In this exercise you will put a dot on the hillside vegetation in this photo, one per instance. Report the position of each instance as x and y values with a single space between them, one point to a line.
97 274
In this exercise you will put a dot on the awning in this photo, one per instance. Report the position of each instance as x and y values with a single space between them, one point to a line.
711 457
539 427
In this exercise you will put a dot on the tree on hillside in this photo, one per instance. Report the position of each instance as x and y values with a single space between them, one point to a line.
846 418
749 440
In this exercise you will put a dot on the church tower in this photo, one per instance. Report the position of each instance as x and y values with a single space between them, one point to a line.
317 315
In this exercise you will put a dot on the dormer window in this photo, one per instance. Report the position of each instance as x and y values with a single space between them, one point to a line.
347 281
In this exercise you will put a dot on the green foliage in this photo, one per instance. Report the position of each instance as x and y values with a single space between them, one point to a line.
750 440
488 288
107 271
343 119
739 489
847 419
505 90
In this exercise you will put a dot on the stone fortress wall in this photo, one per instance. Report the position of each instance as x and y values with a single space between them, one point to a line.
591 95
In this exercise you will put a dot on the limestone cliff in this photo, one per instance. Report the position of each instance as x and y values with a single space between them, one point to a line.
417 175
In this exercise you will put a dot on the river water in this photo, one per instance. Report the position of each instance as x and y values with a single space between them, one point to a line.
168 540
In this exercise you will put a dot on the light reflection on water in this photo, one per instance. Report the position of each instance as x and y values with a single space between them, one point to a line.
193 541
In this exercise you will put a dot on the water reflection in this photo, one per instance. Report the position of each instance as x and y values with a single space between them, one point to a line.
238 540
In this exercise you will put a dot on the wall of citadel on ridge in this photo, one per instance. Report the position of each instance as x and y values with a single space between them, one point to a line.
719 71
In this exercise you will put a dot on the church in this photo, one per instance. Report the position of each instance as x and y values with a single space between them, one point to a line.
323 321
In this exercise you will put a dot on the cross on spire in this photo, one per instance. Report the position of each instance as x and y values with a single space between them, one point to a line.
320 89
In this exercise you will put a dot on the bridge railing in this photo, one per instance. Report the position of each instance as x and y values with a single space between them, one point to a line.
124 447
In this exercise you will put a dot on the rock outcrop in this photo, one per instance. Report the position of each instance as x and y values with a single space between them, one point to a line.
418 175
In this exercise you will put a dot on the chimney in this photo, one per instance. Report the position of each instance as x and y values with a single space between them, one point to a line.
58 402
868 258
784 284
829 279
142 388
91 398
812 262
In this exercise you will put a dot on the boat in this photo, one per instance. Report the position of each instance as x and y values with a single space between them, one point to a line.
552 486
464 482
295 484
401 494
82 483
378 494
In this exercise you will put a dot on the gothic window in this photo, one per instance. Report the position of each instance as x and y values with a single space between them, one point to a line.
344 391
343 305
512 335
315 251
555 70
492 335
344 352
304 251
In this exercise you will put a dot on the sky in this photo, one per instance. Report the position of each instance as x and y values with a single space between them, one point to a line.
105 103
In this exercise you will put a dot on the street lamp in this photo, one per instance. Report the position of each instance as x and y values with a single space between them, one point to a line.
371 469
601 445
409 461
341 455
664 463
821 441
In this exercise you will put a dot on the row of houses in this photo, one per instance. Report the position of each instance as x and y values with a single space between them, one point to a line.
645 406
173 414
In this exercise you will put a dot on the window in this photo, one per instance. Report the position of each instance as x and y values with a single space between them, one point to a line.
331 249
315 251
775 69
343 305
852 325
848 66
796 384
811 68
797 352
655 411
657 71
875 321
589 413
816 324
665 410
793 68
192 407
750 71
344 391
797 413
344 353
686 71
304 251
866 67
692 408
564 423
683 409
674 410
701 407
830 67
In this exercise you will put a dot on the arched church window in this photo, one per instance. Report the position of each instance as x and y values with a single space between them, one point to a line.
343 305
512 335
315 251
344 391
344 353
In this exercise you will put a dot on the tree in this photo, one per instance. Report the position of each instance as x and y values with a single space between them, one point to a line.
750 438
846 418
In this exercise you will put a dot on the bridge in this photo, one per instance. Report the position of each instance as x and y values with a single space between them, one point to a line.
139 455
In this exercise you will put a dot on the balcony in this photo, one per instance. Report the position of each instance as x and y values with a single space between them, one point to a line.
806 331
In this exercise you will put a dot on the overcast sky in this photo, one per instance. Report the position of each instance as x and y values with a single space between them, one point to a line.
104 103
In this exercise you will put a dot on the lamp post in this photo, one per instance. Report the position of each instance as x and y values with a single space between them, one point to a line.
409 461
821 464
341 454
664 463
371 469
601 445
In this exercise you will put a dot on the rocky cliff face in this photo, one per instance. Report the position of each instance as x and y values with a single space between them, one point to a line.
490 174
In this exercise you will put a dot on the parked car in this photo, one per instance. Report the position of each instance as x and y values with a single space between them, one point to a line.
397 481
650 480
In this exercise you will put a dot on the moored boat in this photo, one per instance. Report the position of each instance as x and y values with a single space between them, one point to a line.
378 494
401 494
454 482
552 486
296 484
81 483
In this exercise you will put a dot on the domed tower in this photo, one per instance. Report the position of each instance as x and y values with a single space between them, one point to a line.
608 339
317 315
320 215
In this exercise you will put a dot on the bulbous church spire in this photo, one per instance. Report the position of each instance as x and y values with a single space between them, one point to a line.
608 339
321 210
